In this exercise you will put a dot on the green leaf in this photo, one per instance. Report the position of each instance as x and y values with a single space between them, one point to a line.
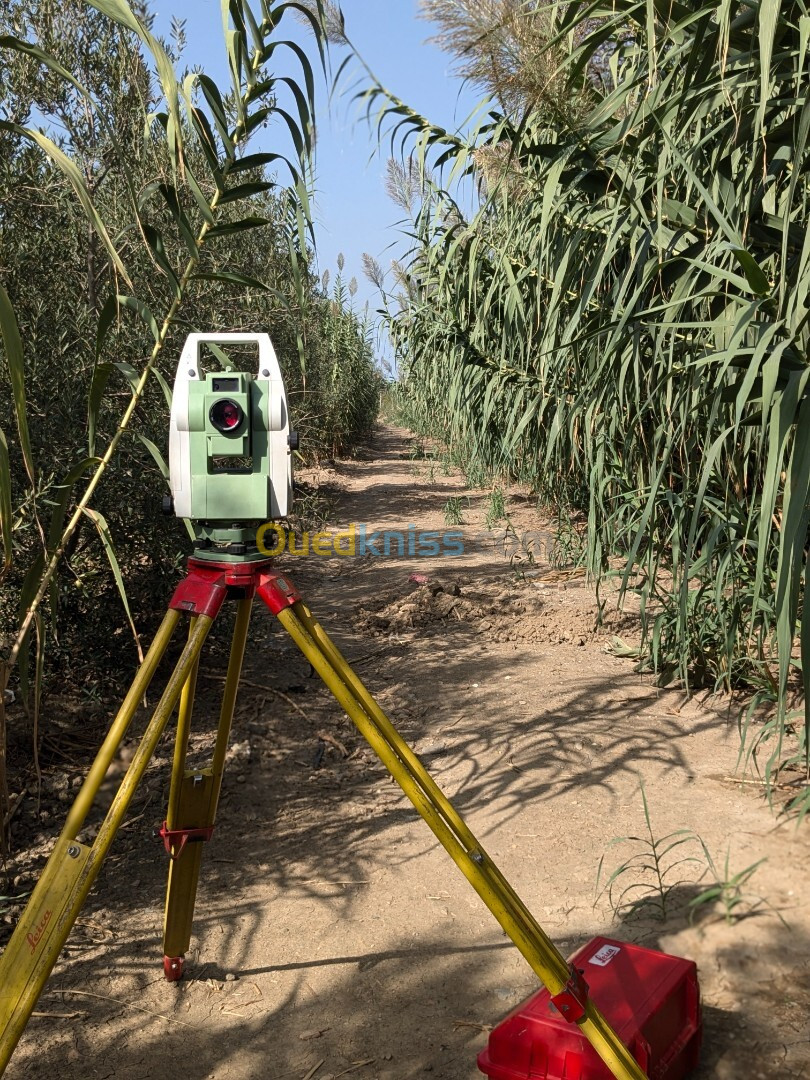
101 372
212 96
6 517
28 591
66 166
164 386
245 191
159 459
231 277
103 530
203 204
158 249
61 498
252 161
143 311
12 346
98 384
121 12
768 19
230 227
172 200
105 321
756 277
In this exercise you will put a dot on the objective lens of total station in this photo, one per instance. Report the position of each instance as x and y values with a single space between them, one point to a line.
226 415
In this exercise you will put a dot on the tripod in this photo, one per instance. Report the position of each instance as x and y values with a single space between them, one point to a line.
72 867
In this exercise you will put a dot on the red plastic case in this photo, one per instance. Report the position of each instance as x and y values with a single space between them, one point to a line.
650 999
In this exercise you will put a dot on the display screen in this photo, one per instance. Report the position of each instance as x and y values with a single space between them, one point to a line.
224 384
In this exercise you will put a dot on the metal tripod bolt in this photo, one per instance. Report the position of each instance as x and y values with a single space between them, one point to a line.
74 851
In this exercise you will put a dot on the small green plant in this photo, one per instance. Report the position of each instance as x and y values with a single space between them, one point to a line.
496 510
7 902
91 691
475 475
643 884
568 548
314 506
453 513
729 891
519 551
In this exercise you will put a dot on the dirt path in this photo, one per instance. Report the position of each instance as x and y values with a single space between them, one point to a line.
333 936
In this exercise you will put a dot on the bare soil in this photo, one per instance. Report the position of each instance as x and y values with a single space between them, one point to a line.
333 936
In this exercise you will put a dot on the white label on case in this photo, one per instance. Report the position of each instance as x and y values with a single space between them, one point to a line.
605 955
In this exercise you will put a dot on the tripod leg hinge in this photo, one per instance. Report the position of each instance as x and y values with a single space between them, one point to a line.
201 593
278 592
178 838
572 1001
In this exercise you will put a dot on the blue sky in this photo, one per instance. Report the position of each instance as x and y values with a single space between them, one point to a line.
352 213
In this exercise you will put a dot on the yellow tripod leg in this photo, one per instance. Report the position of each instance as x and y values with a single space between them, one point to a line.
73 867
193 806
453 833
417 770
118 729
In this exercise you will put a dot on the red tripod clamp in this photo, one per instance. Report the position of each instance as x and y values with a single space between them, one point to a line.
178 838
205 587
572 1000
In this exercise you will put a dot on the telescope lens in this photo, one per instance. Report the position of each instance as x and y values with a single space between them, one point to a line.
226 415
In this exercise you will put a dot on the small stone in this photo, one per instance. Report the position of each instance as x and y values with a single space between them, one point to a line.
240 778
314 1033
580 641
230 977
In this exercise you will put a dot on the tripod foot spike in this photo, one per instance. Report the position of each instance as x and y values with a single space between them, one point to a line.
174 967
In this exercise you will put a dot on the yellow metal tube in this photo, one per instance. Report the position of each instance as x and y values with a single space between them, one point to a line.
508 909
238 643
469 858
54 908
429 786
197 800
181 737
393 737
118 729
419 773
